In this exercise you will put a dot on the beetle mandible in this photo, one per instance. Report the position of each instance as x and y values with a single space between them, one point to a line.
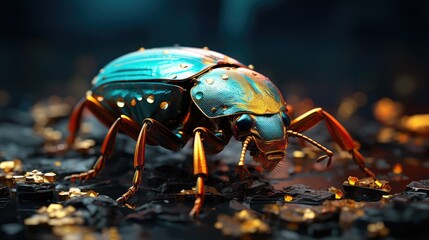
165 96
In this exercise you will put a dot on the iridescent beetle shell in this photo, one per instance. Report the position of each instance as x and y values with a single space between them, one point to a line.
164 84
137 83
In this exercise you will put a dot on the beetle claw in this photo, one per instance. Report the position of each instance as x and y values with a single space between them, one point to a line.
121 199
323 157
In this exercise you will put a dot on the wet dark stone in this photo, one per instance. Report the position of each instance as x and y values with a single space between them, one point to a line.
162 212
35 191
305 195
98 212
404 219
359 193
419 186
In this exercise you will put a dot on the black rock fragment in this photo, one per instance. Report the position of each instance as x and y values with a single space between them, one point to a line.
403 219
360 193
34 191
4 196
419 186
160 211
98 212
303 194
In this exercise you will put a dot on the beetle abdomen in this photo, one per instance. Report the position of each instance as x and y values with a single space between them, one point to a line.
140 100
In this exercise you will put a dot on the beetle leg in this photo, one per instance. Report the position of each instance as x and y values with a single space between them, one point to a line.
139 157
336 130
76 117
124 123
161 135
200 171
212 143
155 133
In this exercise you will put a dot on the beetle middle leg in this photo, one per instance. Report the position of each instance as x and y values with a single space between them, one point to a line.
336 130
155 133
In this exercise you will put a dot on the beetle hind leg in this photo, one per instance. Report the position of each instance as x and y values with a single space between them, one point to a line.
106 150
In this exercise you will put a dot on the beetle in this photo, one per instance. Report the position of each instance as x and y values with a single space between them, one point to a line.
166 96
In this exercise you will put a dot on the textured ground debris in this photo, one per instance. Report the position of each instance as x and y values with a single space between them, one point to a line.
306 205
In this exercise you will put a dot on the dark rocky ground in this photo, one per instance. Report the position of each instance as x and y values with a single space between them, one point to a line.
160 210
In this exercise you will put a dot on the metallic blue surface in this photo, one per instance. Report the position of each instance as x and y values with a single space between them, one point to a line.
228 91
140 100
285 118
244 122
270 127
169 63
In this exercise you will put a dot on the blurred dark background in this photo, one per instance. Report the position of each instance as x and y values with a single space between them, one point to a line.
323 50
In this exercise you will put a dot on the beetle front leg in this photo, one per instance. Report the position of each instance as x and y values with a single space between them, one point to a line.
336 130
200 171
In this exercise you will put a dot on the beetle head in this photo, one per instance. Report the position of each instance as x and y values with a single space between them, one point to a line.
265 136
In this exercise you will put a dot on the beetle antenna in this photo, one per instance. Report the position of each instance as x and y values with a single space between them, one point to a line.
328 152
243 150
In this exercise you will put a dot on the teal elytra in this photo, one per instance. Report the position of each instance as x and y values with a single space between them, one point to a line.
161 83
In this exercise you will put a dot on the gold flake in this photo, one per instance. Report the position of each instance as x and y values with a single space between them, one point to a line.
288 198
352 180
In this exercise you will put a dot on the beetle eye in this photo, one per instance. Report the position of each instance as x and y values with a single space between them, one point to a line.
286 119
244 122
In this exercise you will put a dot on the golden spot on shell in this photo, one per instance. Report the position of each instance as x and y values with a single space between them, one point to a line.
213 109
100 98
133 102
150 99
209 81
207 60
163 105
120 102
224 107
141 49
205 48
251 67
88 93
224 77
173 76
182 65
166 52
254 74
